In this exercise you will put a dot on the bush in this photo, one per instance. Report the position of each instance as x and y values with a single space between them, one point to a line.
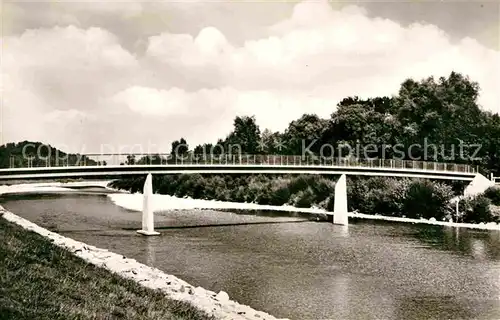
425 199
328 204
357 191
493 193
239 193
477 210
304 198
300 183
280 194
322 188
382 196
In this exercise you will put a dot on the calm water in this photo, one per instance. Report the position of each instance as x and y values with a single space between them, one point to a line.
300 270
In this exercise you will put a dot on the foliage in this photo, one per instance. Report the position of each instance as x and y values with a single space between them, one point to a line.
302 133
246 134
493 193
477 209
425 199
40 155
413 198
179 147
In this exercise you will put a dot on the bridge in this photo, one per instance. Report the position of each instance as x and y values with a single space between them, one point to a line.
117 165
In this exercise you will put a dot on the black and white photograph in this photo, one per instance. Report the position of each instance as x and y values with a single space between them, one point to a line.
250 160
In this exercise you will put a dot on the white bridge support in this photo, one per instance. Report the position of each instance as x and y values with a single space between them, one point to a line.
478 185
148 224
340 204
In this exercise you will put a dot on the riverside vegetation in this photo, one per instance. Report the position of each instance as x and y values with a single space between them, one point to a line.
411 198
443 112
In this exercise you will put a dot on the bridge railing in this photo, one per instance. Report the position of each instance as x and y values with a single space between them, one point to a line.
227 159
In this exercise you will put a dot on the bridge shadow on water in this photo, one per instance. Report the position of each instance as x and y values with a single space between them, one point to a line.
222 225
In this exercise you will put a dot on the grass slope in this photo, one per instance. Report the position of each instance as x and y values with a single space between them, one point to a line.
39 280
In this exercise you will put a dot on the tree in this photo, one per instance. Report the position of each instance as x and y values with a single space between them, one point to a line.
39 154
246 135
363 122
444 112
271 143
151 159
303 132
130 159
179 148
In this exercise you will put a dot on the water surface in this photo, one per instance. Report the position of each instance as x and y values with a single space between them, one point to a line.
296 269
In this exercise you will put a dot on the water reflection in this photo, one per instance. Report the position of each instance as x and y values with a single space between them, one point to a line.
479 244
150 244
417 308
478 248
343 231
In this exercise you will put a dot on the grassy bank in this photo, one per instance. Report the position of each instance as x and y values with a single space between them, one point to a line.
39 280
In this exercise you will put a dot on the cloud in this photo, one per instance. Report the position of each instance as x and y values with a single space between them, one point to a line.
80 86
318 46
44 70
210 44
150 101
218 107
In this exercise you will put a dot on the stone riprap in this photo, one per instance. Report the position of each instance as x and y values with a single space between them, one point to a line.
217 304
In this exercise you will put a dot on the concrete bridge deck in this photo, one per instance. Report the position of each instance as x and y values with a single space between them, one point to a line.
113 166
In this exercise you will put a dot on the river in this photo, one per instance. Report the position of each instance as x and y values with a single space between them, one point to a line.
294 268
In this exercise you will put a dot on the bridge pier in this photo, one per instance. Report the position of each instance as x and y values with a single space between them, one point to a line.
340 204
478 185
148 225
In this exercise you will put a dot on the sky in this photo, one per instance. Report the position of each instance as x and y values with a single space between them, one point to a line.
92 77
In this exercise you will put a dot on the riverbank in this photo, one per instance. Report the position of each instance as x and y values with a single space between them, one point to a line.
197 300
166 202
67 186
43 281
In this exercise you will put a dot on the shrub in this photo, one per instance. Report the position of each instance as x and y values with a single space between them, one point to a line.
263 196
493 193
425 199
304 198
299 183
477 210
167 184
322 188
374 195
238 194
328 204
357 191
280 194
380 197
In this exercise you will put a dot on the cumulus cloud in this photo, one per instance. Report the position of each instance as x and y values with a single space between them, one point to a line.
193 85
68 68
149 101
318 46
221 105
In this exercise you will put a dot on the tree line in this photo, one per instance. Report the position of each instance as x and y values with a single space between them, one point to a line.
436 118
38 154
